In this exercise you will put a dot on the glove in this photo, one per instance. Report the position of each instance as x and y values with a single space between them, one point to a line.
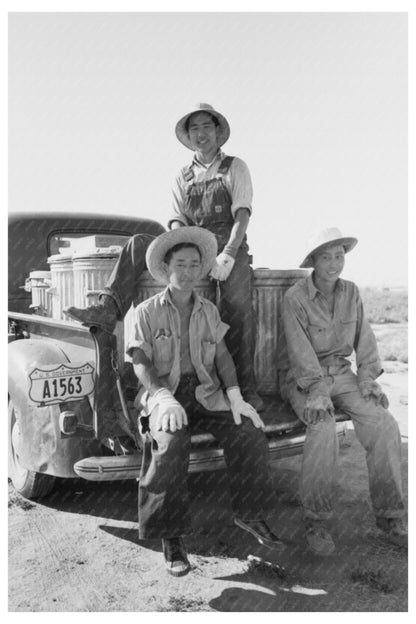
371 390
316 407
239 408
222 267
171 415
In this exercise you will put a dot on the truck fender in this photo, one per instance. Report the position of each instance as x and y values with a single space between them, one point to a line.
25 355
42 448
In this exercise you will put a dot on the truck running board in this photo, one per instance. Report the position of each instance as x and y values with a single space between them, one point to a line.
121 467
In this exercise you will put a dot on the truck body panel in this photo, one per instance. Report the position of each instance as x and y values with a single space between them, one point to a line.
71 388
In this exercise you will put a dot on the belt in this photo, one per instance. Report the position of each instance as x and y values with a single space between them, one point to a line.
187 382
335 369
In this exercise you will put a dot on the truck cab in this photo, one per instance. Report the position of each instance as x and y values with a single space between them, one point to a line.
71 388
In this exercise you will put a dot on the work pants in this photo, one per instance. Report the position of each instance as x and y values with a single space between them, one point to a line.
163 491
376 430
123 283
236 309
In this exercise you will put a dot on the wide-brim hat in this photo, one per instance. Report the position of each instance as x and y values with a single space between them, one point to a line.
157 250
223 128
327 238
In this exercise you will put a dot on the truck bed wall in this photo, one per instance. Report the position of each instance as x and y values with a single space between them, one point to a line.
269 287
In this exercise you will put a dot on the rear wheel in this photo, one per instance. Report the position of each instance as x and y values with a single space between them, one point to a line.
28 483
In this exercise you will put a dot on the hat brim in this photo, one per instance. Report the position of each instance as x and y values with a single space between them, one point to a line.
157 250
347 242
223 128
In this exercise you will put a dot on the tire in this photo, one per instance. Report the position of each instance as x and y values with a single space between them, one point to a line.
28 483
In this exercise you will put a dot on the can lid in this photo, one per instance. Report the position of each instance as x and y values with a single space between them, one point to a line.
59 258
99 252
39 275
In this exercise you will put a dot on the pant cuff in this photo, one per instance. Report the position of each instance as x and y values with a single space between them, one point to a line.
310 514
391 513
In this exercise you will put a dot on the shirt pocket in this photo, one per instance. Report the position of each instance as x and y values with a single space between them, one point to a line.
208 353
321 336
347 329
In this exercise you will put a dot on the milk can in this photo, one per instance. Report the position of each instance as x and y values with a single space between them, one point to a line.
91 273
62 290
39 283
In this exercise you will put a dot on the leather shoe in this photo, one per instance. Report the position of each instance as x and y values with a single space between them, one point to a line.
260 530
394 529
318 538
176 560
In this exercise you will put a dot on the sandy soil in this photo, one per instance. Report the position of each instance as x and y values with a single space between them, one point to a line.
78 550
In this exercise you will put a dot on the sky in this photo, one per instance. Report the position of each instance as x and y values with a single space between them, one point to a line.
316 101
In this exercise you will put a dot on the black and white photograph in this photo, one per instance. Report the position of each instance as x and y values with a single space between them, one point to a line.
207 306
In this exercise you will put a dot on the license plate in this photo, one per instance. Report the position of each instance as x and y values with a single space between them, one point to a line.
58 383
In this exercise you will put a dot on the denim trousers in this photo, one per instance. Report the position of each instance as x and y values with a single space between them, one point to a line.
236 309
163 491
376 430
123 283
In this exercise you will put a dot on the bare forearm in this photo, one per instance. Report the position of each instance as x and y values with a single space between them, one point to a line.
145 372
237 231
225 366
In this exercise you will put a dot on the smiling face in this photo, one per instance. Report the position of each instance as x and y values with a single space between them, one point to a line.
203 135
183 268
328 265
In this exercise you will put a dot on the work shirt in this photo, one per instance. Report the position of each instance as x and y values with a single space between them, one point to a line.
237 182
320 342
157 333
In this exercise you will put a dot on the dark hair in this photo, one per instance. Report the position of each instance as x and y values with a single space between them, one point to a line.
178 247
327 246
188 121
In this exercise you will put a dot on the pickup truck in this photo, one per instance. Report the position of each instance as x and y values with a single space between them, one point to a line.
71 389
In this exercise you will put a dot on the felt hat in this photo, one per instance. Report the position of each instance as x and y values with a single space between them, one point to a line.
157 250
223 128
327 238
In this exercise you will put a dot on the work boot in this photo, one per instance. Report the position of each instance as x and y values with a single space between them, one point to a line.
260 530
103 315
176 560
394 529
318 538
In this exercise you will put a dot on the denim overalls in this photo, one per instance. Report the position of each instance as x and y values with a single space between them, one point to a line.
208 205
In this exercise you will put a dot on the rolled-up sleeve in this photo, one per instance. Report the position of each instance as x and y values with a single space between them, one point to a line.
141 335
303 360
241 186
178 202
367 356
220 329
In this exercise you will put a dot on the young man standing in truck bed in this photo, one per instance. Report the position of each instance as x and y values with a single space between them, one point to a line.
214 192
180 358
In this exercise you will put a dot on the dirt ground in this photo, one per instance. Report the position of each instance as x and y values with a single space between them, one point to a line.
78 550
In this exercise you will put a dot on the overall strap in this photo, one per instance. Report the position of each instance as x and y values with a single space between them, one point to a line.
225 165
188 172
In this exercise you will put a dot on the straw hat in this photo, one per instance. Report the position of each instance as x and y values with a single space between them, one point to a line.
223 128
327 238
157 250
